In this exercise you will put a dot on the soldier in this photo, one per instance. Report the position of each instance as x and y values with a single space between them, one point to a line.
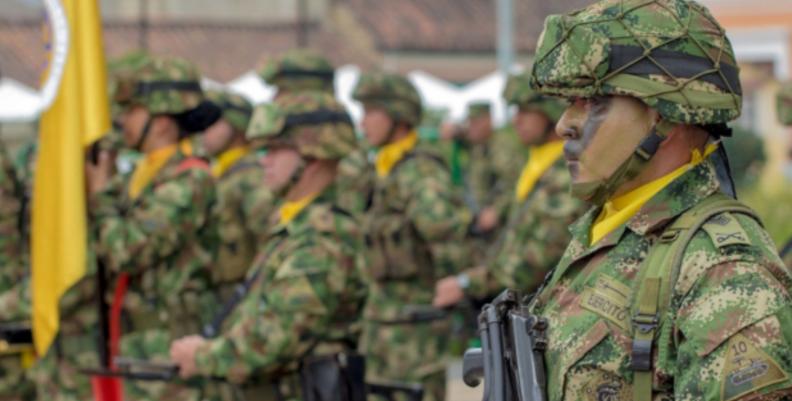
304 290
302 69
243 202
154 227
669 288
784 113
412 208
536 231
488 176
14 285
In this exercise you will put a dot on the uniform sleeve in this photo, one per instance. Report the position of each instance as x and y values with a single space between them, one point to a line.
734 327
13 269
280 319
431 204
257 205
533 240
142 235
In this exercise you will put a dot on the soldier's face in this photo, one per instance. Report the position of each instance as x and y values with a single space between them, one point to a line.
376 125
217 137
530 125
133 119
480 129
600 133
280 164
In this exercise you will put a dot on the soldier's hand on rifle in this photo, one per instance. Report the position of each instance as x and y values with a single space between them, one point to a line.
98 175
487 219
448 292
182 353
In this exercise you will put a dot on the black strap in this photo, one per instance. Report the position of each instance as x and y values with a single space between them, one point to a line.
648 147
682 65
326 75
320 116
145 88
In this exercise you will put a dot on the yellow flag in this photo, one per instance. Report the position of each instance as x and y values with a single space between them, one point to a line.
78 116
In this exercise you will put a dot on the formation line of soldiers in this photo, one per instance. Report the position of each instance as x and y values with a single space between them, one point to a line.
268 253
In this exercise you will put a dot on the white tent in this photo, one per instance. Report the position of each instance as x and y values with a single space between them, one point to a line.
18 103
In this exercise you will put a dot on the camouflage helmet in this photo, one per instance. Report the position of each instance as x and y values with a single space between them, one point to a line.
784 104
671 54
314 122
518 92
235 108
163 86
392 92
299 69
119 73
478 108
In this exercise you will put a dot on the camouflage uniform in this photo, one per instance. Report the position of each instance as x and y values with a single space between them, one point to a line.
412 208
306 288
728 324
14 278
784 113
243 201
161 238
300 70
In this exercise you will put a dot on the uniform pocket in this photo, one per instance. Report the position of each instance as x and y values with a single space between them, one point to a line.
590 365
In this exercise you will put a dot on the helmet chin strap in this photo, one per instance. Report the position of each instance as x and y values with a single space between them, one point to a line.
295 177
599 191
143 135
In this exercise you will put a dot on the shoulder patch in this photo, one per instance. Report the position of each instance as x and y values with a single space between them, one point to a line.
725 230
747 369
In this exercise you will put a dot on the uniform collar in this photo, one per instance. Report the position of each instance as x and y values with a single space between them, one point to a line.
680 195
227 159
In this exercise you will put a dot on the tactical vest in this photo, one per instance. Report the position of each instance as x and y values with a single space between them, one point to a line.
653 321
236 256
396 249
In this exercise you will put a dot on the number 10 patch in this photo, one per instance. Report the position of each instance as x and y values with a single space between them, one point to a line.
747 369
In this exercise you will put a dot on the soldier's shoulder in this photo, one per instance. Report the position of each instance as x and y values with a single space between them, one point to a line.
328 218
729 239
422 163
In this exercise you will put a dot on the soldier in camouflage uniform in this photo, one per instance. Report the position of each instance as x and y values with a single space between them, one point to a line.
305 289
154 227
784 113
14 279
412 208
302 69
488 175
536 230
669 288
243 201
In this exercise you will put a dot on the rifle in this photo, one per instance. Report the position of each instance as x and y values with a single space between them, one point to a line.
15 337
510 360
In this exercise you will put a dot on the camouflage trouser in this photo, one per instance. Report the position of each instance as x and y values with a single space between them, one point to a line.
15 385
56 375
407 353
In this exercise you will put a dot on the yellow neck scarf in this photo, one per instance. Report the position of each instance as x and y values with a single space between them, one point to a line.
290 209
619 210
151 163
227 159
390 154
540 158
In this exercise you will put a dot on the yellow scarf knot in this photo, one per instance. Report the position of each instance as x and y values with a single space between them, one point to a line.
619 210
227 159
390 154
540 158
